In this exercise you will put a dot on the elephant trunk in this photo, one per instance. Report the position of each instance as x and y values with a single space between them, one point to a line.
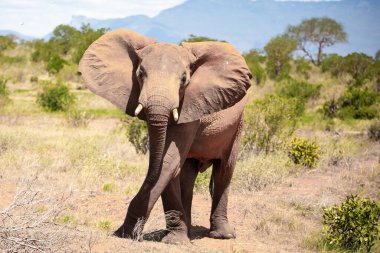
157 111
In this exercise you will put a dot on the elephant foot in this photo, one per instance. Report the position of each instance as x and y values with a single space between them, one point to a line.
176 237
222 231
123 232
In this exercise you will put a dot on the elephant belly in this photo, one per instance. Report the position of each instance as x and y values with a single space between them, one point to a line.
217 133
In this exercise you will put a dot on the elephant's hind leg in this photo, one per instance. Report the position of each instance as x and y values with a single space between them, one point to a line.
221 178
219 225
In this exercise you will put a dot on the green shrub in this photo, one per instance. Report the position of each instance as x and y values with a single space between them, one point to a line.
55 96
303 67
254 59
354 224
374 131
108 187
34 79
55 64
301 91
268 122
291 88
67 218
330 108
3 87
375 75
104 225
137 132
358 103
4 93
6 42
304 152
203 180
332 63
279 50
358 66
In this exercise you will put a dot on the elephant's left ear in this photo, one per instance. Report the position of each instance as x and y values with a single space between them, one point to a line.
220 78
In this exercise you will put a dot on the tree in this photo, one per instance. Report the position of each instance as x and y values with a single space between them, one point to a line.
332 63
64 36
319 33
6 42
65 41
84 39
279 50
254 59
358 65
377 56
195 38
375 75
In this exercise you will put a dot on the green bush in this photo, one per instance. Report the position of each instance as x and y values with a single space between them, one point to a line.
6 42
3 87
203 180
104 225
358 66
332 63
279 50
330 108
358 103
374 131
354 224
303 67
304 152
4 93
301 91
254 59
375 75
55 96
268 122
55 64
137 132
108 187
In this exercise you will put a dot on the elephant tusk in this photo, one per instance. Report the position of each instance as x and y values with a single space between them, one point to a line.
175 114
138 109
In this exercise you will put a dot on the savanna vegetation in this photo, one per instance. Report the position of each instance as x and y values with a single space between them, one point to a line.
307 174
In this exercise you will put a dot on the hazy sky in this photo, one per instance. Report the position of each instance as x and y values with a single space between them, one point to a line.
39 17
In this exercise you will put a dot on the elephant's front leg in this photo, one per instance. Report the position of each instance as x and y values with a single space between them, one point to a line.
176 199
178 141
174 213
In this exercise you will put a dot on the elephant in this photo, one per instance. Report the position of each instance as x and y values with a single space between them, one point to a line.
192 97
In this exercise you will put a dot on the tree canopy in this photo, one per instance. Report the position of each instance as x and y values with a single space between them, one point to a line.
316 33
66 43
195 38
279 50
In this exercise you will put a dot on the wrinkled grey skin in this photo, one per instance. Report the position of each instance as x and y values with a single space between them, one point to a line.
206 84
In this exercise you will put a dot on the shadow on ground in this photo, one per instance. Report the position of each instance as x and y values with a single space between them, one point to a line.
197 232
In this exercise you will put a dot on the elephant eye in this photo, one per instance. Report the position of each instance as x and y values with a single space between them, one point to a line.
141 73
183 80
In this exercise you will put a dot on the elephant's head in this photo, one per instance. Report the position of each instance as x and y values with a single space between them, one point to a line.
164 83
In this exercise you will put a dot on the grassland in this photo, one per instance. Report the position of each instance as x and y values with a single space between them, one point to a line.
84 177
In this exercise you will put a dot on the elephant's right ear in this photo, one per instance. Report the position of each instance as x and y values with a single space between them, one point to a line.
108 67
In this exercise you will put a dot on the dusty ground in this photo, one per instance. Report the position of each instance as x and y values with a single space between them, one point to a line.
280 218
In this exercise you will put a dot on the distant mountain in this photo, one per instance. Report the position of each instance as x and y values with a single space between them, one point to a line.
17 35
250 24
